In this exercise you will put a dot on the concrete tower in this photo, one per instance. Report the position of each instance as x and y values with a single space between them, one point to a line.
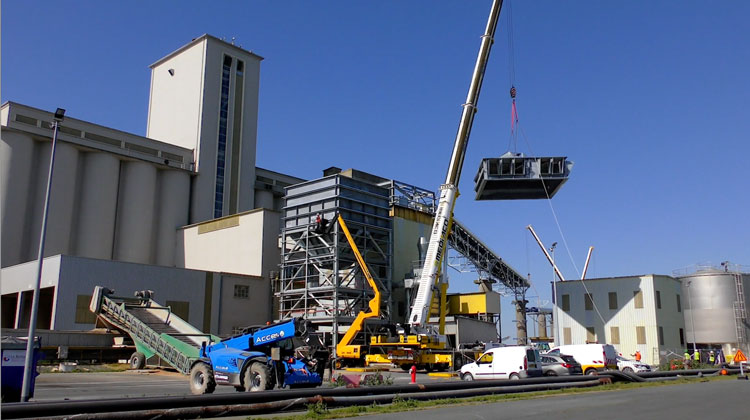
204 97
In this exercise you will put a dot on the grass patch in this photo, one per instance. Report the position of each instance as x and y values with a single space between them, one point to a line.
401 403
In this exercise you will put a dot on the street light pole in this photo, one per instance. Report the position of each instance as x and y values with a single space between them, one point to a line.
555 317
692 319
27 373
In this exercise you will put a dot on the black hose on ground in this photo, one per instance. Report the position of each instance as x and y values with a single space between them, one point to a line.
52 408
329 402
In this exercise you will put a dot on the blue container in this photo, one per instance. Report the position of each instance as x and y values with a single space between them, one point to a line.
13 360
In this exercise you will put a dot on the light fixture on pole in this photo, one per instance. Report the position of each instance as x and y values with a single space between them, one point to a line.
692 319
27 373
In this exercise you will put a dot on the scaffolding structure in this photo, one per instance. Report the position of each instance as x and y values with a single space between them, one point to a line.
319 275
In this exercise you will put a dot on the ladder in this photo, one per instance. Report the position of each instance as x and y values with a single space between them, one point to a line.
740 315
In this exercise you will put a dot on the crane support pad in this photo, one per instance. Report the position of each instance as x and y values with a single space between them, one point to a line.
517 177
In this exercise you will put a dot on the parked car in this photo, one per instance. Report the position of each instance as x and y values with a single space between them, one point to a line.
628 365
560 365
593 358
511 362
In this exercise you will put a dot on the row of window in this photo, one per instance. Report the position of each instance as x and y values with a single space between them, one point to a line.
222 141
588 301
614 335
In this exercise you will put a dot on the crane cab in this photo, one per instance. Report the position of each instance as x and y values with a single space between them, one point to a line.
514 176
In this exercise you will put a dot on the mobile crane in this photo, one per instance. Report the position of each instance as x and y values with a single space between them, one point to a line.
419 344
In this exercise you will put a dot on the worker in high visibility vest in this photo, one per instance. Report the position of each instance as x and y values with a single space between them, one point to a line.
687 360
697 356
711 358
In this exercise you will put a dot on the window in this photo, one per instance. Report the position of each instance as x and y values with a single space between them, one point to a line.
682 336
661 336
566 336
234 167
614 335
221 148
612 300
658 299
566 303
486 358
679 304
588 302
590 335
241 291
180 308
638 299
83 313
640 335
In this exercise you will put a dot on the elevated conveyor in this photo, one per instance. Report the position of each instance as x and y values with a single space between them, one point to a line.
155 329
484 259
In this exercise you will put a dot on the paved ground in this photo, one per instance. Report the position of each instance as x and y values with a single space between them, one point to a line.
152 383
725 400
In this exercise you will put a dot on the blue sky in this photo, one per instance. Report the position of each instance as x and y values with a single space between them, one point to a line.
649 99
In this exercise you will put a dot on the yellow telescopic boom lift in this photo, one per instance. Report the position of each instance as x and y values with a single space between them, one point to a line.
345 349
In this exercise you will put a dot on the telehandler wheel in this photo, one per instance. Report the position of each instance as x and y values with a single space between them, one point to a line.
257 377
202 379
137 360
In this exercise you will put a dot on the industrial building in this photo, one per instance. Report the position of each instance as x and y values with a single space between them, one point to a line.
660 316
187 196
185 212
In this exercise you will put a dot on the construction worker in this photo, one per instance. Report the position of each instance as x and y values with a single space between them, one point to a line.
320 224
697 357
687 359
637 355
711 358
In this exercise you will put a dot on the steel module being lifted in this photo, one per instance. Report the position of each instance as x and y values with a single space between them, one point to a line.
514 176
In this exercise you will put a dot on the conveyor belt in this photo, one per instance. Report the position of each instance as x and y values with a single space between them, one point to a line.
468 245
158 325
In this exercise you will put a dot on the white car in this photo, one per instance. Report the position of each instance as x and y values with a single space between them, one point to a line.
628 365
511 362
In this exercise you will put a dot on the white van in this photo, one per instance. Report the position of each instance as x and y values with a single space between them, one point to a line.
593 358
512 362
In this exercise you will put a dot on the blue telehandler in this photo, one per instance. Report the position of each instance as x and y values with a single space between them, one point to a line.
261 358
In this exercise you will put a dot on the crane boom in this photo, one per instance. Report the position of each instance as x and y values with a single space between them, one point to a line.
449 190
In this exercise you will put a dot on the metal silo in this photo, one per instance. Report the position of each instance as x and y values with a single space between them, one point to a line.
714 301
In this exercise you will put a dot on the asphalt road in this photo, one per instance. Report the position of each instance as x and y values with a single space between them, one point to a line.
145 383
725 400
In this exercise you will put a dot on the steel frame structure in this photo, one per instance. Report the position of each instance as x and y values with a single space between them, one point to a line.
319 277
